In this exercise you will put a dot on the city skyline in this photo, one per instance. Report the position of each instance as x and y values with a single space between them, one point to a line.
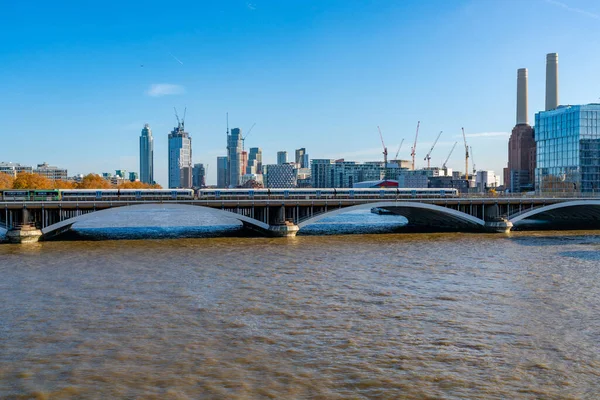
297 67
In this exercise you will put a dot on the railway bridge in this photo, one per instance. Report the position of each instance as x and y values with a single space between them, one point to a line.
32 220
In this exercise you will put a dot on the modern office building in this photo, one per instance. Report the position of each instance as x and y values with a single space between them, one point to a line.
121 173
282 157
234 157
50 172
321 173
13 169
199 176
486 180
146 155
305 161
187 177
255 159
413 178
222 173
300 157
180 158
568 149
344 174
280 176
133 177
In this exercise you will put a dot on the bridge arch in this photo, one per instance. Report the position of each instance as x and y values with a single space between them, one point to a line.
63 226
583 211
422 215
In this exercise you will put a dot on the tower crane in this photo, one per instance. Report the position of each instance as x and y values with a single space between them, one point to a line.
244 137
428 156
399 147
385 153
466 155
180 123
449 154
177 116
414 148
473 161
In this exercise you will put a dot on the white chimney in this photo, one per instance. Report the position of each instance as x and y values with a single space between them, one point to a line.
551 81
522 96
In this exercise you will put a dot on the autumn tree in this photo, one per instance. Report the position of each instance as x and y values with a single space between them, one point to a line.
26 180
93 181
59 184
138 185
6 181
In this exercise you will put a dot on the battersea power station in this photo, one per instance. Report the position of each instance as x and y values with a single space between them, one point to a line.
561 154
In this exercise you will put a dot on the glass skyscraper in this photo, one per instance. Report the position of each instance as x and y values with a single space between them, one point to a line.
180 158
222 173
147 155
568 149
234 157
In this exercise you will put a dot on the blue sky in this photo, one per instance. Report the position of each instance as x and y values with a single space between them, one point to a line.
316 74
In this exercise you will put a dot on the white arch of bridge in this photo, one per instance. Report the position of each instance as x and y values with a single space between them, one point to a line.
461 216
557 206
67 223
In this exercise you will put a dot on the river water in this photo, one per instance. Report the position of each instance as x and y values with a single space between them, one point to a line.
361 316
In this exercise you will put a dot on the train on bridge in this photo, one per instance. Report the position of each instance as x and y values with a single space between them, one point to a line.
221 194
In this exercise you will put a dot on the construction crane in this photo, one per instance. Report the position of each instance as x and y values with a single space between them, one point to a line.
399 147
473 161
180 123
428 156
414 148
466 155
449 154
385 153
244 137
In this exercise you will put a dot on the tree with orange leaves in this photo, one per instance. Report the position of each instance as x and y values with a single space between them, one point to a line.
6 181
27 180
138 185
93 181
59 184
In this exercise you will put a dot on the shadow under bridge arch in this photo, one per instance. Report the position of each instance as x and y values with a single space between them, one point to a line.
63 226
420 216
568 214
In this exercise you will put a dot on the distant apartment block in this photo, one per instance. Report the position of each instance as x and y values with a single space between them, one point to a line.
199 176
254 161
50 172
133 177
279 176
13 169
281 157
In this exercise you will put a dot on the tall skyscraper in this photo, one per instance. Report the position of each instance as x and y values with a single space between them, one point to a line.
234 155
281 157
199 176
222 173
300 157
255 155
180 158
146 155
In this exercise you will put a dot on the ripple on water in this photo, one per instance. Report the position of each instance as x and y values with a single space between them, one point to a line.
361 316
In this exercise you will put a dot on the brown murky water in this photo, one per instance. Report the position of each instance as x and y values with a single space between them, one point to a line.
449 316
